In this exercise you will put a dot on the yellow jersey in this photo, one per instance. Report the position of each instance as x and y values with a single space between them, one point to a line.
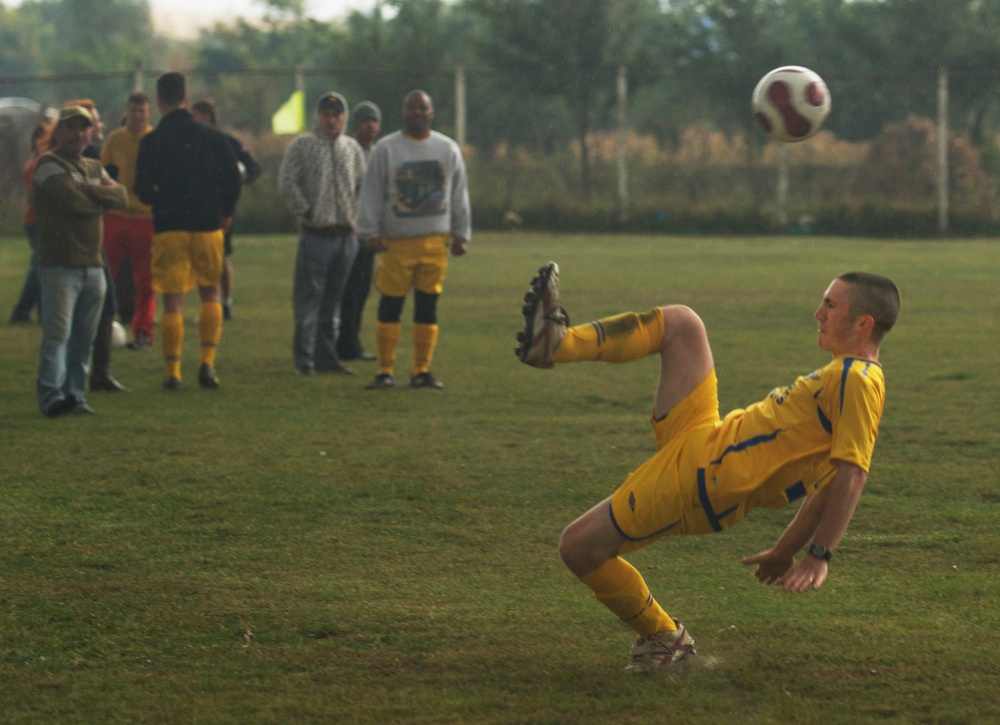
787 445
120 152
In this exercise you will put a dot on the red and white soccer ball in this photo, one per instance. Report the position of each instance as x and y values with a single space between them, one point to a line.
791 103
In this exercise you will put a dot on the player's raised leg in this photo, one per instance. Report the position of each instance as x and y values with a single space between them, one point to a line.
547 338
685 358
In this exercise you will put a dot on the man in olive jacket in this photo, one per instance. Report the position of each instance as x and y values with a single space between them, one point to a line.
71 194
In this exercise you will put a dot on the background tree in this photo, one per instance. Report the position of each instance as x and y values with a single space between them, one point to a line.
553 48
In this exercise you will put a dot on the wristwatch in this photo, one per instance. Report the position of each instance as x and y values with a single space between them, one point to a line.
820 552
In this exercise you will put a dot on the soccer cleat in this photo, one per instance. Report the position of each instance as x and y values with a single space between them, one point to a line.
140 343
425 380
207 377
171 384
382 381
660 650
545 322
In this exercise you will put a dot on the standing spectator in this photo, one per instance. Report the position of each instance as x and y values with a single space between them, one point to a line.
414 200
320 179
128 232
31 291
250 170
367 120
70 193
187 172
101 378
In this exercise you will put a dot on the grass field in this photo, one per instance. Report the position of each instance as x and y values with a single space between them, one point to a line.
294 549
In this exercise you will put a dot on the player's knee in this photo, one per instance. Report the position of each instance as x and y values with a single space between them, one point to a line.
425 308
567 547
576 552
390 308
682 323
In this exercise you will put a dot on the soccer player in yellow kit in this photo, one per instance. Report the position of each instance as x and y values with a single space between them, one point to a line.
811 440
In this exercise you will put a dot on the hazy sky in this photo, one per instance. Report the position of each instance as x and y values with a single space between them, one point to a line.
185 17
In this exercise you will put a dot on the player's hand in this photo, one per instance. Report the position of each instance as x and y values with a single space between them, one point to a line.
810 573
376 244
771 565
459 247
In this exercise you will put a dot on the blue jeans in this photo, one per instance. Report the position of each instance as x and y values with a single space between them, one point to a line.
72 298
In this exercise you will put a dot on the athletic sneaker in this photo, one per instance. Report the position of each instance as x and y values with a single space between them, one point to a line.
207 377
425 380
141 342
663 649
382 381
545 322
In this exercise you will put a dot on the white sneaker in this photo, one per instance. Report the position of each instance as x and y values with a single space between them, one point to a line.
545 322
663 649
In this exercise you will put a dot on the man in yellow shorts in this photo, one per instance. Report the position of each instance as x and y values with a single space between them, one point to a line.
810 441
187 172
414 206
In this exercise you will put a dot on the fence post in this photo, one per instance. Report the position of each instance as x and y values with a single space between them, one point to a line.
137 76
621 88
942 163
460 105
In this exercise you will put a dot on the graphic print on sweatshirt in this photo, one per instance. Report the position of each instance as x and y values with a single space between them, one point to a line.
420 189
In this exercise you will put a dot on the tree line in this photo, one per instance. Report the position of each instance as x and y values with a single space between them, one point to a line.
544 69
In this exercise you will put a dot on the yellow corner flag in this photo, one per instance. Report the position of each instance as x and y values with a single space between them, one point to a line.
290 118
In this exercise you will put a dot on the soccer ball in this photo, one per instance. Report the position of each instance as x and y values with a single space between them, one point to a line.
791 103
118 336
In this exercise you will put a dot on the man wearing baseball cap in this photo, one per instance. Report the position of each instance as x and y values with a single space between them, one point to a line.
71 194
320 179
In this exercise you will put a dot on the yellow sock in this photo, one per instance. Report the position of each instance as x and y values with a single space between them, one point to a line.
620 587
172 339
424 340
619 339
386 339
209 330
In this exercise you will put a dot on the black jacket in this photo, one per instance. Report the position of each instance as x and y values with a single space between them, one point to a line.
187 172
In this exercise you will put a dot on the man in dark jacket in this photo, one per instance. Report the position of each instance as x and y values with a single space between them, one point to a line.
187 172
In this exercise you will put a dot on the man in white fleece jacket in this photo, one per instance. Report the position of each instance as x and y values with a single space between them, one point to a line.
320 179
414 205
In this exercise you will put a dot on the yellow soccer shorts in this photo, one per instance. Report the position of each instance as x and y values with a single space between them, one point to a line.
660 498
182 259
413 263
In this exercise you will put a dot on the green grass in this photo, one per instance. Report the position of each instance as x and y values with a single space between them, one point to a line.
394 553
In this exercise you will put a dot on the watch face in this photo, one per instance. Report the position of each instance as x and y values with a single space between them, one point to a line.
820 551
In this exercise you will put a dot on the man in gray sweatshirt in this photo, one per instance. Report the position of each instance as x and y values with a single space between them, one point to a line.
414 208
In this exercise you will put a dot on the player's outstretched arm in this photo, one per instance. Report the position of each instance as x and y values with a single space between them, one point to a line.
824 517
774 564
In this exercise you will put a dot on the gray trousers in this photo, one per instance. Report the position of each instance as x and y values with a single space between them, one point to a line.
322 266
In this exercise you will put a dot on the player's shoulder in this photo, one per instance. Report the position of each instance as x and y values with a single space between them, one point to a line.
45 166
349 142
859 376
